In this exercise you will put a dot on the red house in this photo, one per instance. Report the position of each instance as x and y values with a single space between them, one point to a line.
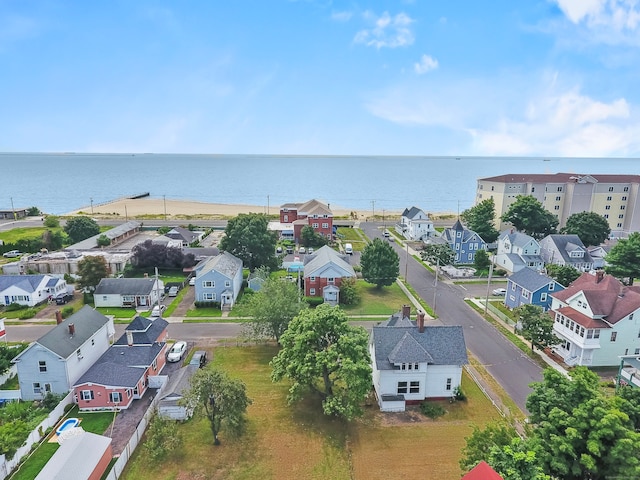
323 274
121 374
313 213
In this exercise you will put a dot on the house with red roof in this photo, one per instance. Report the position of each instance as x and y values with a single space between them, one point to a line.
482 471
597 319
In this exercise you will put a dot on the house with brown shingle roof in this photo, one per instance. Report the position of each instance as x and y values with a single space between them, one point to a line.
597 319
313 213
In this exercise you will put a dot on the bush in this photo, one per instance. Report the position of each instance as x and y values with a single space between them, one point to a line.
459 395
348 292
432 410
162 437
12 307
67 311
69 279
68 407
203 304
314 301
28 313
50 401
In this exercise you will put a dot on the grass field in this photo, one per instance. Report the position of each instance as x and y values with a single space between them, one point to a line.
354 236
298 442
374 301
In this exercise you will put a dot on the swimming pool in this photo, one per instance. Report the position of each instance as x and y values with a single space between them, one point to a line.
68 424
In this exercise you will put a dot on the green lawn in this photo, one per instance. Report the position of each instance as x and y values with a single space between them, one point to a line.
294 442
374 301
118 312
354 236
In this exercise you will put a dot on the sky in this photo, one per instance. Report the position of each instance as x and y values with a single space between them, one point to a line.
322 77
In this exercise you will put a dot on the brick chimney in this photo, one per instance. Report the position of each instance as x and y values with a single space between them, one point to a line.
129 338
420 321
599 275
72 329
58 317
406 311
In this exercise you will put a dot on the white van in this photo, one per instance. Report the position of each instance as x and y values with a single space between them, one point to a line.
348 248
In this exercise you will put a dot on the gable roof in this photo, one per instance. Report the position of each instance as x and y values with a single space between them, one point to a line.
607 298
144 330
398 340
449 234
566 243
314 207
517 239
413 212
322 259
181 233
179 383
482 471
115 232
125 286
226 264
28 283
530 279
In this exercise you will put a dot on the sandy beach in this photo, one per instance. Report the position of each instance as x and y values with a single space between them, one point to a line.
146 207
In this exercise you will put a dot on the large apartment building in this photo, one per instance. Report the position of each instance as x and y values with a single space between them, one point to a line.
615 197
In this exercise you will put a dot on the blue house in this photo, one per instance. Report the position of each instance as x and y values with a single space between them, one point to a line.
219 279
527 286
464 243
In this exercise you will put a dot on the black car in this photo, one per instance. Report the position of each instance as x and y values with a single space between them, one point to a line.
63 298
199 358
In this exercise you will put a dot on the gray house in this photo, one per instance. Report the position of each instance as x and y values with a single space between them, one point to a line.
128 292
59 358
171 403
186 236
219 279
567 249
516 251
464 243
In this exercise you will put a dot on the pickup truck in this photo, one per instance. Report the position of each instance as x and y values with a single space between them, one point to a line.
12 254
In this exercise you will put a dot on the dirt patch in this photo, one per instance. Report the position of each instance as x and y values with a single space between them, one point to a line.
411 415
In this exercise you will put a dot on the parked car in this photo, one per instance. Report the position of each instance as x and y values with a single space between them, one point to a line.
289 250
199 358
500 291
177 351
386 234
310 250
302 250
173 292
348 249
12 254
278 249
192 281
157 310
63 298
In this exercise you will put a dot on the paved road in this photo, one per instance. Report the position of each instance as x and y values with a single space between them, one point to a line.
511 368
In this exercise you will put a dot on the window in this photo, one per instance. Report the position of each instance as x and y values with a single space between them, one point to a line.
533 189
209 284
596 333
619 225
448 384
606 215
86 395
286 218
416 366
325 225
402 387
581 332
104 297
552 286
589 334
79 354
128 393
621 215
459 235
37 388
525 294
624 199
611 189
227 283
631 317
637 352
493 188
607 207
557 207
115 397
314 225
154 364
457 246
625 189
621 207
470 256
312 279
608 198
93 342
558 198
209 296
331 280
312 291
414 387
42 366
613 336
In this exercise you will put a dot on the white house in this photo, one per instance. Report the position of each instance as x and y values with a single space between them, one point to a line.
565 249
29 290
56 360
597 320
128 292
415 225
516 251
412 362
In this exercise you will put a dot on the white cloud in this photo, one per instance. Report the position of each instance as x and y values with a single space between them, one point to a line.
387 31
426 64
619 15
341 16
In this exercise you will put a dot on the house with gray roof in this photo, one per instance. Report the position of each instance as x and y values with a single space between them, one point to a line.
128 292
464 243
324 272
530 287
415 225
219 279
171 403
115 235
516 251
30 290
567 249
55 361
185 236
412 361
144 331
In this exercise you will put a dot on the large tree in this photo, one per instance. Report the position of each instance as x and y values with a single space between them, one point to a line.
563 274
536 326
223 400
310 238
438 254
81 228
380 263
528 215
247 237
92 269
481 260
273 307
149 254
579 432
593 229
480 218
624 258
322 353
481 441
516 461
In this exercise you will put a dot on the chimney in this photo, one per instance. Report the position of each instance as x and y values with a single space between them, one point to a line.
406 311
421 321
58 317
72 329
129 338
599 275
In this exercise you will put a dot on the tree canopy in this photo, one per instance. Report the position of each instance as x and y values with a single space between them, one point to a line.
223 400
536 326
480 218
310 238
593 229
380 263
247 237
149 254
92 269
563 274
81 228
273 307
624 258
438 253
481 260
528 215
322 353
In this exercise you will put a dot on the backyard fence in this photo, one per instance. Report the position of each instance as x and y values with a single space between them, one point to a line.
505 318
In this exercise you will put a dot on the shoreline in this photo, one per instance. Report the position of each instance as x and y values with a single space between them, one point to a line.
144 208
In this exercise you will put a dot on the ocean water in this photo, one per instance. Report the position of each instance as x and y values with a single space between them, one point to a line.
58 183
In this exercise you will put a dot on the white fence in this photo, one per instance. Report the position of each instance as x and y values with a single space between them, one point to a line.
13 370
10 395
6 466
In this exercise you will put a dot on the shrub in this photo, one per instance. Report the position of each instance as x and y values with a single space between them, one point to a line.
162 437
314 301
67 311
50 401
432 410
348 293
69 279
28 313
12 307
206 304
68 407
459 395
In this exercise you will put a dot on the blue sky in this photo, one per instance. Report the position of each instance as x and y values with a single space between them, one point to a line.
524 78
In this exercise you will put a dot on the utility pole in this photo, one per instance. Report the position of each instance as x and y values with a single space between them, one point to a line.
268 209
486 301
384 223
91 200
15 217
406 263
435 285
164 200
373 209
126 217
